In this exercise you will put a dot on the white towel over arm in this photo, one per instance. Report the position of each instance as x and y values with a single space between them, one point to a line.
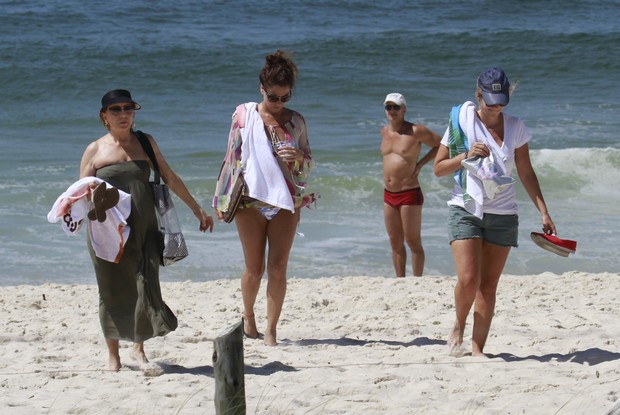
108 238
261 170
475 131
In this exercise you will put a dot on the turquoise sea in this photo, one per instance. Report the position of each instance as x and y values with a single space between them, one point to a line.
189 63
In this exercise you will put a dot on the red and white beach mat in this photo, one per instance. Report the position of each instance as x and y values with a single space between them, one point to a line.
552 243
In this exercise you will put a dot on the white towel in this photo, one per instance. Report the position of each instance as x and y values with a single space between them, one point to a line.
475 131
261 170
108 237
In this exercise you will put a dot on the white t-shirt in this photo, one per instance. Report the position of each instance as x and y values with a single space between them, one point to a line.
516 134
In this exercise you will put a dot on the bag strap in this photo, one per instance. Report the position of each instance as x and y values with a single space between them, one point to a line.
148 148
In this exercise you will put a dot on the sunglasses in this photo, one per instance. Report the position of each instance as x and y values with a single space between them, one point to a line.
276 98
116 110
390 107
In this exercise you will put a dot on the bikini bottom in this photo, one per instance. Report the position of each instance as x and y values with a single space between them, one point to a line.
269 212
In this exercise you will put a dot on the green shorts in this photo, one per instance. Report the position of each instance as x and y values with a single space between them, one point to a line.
502 230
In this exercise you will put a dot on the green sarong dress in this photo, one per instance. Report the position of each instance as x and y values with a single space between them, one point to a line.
130 302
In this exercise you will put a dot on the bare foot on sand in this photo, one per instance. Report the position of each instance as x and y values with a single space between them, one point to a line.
114 363
481 356
150 369
114 359
137 354
477 351
455 342
270 338
147 368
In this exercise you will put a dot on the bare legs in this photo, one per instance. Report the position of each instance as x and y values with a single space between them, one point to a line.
137 353
405 224
479 266
114 359
255 233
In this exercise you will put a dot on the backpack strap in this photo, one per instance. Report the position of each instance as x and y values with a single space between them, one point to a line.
148 148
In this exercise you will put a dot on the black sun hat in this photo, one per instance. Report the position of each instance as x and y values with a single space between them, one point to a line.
118 96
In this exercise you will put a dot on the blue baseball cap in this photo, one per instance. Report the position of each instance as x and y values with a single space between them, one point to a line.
495 86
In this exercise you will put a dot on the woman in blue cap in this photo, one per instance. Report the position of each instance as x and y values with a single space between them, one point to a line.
483 221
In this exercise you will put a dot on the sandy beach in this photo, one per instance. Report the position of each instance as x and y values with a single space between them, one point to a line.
348 345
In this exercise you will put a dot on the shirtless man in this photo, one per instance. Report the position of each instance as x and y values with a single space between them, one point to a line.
401 144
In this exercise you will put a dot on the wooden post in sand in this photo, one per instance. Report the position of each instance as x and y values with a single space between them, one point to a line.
229 371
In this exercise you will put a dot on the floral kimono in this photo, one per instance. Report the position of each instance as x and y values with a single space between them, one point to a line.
295 173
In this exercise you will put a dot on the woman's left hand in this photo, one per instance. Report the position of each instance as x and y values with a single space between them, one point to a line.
290 154
206 221
548 226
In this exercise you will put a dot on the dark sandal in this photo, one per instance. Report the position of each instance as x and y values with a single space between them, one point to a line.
103 199
258 335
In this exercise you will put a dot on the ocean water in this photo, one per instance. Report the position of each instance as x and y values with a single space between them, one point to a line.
189 63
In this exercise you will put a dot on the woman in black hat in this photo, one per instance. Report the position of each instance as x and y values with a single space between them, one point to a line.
483 221
130 303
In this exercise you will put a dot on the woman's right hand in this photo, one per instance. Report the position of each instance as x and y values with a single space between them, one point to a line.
478 150
548 226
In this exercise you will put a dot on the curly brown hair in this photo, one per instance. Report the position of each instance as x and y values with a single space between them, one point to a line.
279 70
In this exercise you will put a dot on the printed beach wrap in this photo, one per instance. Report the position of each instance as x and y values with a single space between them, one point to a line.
295 173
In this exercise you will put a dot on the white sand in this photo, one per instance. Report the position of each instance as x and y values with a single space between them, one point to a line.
349 345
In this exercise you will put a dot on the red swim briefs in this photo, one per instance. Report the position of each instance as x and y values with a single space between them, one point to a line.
406 197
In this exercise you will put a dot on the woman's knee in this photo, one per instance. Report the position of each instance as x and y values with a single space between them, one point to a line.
488 288
277 270
254 273
469 282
